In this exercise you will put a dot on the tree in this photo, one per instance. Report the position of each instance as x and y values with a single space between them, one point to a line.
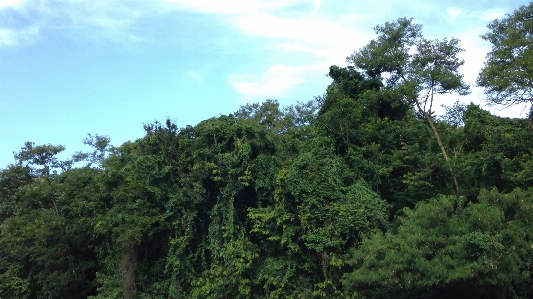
508 72
481 250
101 146
454 114
416 68
318 211
132 217
495 152
44 156
45 247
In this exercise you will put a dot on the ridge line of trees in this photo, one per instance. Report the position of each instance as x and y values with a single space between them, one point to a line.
359 193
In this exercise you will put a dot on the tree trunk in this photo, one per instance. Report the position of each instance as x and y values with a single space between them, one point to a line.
127 268
437 136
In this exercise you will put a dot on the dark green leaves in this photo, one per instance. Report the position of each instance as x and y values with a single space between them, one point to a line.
43 156
473 252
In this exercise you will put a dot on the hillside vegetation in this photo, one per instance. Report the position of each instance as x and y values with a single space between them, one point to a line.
360 193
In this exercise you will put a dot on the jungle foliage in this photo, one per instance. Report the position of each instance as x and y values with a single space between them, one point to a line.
359 193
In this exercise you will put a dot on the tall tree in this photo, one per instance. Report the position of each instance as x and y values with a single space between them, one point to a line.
508 72
415 67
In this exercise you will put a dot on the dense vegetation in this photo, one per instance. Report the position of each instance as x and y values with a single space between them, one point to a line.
360 193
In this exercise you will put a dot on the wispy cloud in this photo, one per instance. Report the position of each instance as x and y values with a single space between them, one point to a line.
307 33
289 31
276 80
11 3
453 12
492 15
310 28
305 29
14 37
235 7
316 5
94 20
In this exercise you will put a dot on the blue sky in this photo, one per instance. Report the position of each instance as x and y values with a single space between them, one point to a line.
69 68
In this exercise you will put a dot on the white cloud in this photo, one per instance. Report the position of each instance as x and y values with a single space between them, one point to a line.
453 12
311 29
475 51
276 80
312 36
105 18
8 37
308 33
235 6
14 37
316 5
6 3
292 47
109 20
11 36
492 15
301 32
312 32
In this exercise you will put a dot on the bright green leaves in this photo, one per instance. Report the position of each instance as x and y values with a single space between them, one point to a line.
224 167
277 204
508 73
11 285
230 272
331 208
132 214
320 209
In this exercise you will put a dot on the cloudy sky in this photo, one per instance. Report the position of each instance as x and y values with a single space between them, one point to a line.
72 67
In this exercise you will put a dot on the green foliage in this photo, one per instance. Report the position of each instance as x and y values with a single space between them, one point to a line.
507 75
229 274
415 69
45 238
344 196
382 140
495 152
433 68
101 145
43 156
319 211
440 251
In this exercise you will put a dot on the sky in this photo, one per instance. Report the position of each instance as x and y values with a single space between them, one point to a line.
69 68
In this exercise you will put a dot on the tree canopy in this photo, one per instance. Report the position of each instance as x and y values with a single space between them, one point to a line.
348 195
508 72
